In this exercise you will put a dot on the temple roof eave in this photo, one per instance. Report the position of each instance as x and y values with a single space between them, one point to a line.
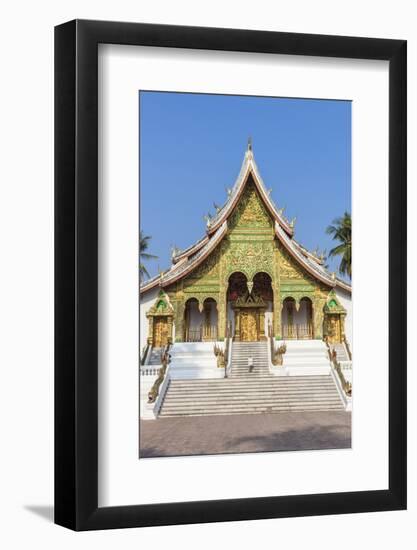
185 261
249 167
187 265
190 250
312 267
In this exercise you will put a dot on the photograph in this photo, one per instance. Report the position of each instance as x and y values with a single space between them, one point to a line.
244 275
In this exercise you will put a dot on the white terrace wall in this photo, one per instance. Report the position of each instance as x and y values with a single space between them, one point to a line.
345 299
147 300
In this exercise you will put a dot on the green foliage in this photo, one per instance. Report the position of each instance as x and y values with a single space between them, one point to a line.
143 255
341 230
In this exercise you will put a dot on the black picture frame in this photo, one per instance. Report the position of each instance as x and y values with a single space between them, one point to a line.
76 272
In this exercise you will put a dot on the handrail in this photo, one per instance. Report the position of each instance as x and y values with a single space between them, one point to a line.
347 386
144 354
348 349
276 353
154 391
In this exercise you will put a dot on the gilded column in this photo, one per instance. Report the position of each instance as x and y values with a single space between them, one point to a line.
237 325
222 313
277 314
179 320
342 327
262 325
150 330
318 318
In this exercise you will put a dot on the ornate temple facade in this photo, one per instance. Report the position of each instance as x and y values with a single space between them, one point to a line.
247 278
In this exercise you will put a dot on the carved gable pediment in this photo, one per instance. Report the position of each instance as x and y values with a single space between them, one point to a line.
250 211
162 306
333 305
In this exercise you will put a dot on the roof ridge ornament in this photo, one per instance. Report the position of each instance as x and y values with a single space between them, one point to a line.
249 149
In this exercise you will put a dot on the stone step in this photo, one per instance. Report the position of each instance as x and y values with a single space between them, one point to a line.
257 410
173 407
250 395
181 392
265 381
248 384
232 400
249 402
258 406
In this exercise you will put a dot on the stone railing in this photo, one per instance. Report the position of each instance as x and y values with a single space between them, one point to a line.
154 391
149 370
144 355
277 354
223 355
346 386
348 349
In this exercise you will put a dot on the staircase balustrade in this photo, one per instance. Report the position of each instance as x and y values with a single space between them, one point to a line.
347 386
276 353
144 354
154 391
347 346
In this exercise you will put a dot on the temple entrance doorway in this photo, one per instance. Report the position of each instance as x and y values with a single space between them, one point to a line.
160 332
249 326
249 303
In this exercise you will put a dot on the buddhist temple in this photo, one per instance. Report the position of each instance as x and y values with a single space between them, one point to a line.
246 281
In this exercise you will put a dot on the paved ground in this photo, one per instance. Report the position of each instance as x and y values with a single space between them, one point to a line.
285 431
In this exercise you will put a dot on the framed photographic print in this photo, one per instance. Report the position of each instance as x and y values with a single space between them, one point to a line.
230 275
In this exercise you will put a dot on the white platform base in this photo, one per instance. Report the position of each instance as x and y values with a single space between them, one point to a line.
306 357
194 360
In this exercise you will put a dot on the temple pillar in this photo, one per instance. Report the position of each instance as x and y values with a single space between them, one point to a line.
236 335
277 316
150 330
222 316
262 325
179 321
170 320
318 318
342 327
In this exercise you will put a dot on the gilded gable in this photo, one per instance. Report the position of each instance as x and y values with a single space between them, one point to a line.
289 269
250 211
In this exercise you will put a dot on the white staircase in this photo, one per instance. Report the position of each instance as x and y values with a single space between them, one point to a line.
241 351
250 395
306 358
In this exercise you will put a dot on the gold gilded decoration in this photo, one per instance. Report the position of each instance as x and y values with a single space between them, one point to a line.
209 268
266 268
250 211
248 326
288 269
250 258
334 334
160 332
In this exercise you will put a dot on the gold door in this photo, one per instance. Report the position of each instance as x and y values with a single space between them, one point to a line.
248 326
160 332
333 329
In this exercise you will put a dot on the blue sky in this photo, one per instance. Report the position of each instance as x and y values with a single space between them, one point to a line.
192 147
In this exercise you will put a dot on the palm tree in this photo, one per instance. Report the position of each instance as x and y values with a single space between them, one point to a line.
143 255
342 232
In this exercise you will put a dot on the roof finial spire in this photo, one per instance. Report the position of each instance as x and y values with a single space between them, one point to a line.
250 143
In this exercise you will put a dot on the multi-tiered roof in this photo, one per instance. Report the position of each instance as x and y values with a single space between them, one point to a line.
185 261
